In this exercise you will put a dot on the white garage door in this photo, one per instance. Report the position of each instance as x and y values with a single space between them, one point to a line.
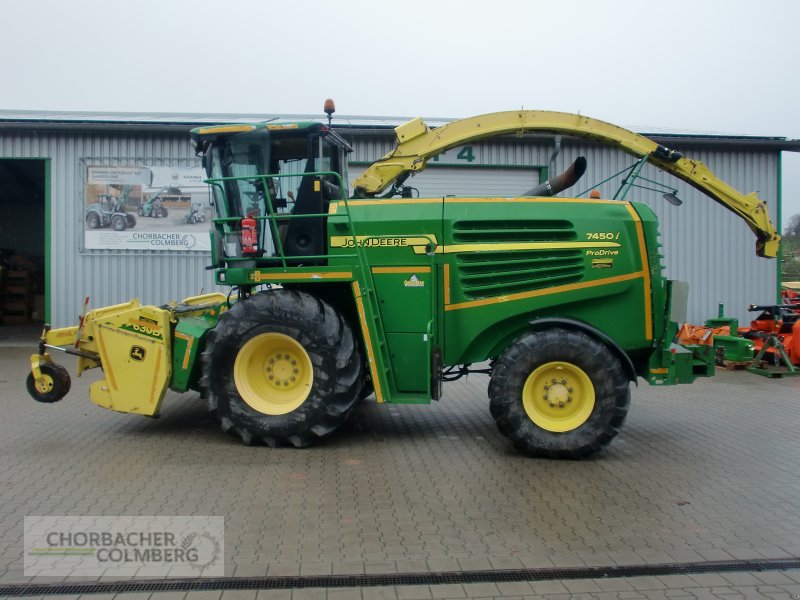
466 181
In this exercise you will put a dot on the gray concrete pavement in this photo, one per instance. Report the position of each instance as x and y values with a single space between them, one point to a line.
701 472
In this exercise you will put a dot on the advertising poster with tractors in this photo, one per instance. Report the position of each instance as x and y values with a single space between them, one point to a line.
146 208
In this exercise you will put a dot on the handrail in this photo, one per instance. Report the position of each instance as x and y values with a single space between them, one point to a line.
273 217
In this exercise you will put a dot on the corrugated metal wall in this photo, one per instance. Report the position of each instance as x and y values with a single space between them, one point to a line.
108 278
704 244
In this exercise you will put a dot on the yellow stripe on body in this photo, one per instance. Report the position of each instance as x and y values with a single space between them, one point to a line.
258 276
509 200
648 301
376 382
226 129
189 343
406 270
545 292
517 246
447 283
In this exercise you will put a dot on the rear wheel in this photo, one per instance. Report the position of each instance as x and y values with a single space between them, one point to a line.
281 367
559 393
118 223
54 386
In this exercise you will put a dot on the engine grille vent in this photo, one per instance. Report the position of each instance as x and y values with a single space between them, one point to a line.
535 230
487 274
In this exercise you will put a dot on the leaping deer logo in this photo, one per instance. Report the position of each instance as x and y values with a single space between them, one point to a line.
137 353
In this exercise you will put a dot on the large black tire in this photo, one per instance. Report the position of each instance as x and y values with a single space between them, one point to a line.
236 364
130 220
57 381
118 223
541 394
92 220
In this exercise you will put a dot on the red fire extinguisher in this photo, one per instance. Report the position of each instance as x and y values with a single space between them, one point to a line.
249 235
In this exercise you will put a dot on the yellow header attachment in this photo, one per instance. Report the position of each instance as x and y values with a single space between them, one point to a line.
416 143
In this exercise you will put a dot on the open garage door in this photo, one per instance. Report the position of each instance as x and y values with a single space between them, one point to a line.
23 203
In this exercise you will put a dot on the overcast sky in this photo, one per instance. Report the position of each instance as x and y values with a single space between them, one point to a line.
727 67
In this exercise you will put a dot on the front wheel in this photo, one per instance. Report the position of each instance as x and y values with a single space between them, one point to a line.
281 367
119 223
54 384
559 393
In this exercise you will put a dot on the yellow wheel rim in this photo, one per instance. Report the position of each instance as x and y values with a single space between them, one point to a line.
558 396
273 373
45 385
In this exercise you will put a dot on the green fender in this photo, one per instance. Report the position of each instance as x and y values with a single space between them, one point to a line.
624 359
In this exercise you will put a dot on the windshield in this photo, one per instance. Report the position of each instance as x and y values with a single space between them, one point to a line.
269 173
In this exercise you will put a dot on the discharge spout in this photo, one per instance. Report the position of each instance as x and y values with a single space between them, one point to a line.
561 182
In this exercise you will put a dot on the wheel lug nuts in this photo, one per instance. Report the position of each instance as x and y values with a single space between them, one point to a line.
569 389
295 371
546 387
563 382
544 397
294 362
270 378
561 404
554 380
286 356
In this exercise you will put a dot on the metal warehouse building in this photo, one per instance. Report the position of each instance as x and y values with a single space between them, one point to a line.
55 168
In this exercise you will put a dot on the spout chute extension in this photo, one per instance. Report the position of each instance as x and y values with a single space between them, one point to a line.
559 183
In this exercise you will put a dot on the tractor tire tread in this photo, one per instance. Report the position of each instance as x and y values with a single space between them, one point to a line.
320 329
612 393
61 383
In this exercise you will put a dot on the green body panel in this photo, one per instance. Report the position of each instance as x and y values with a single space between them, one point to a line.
408 352
188 339
488 291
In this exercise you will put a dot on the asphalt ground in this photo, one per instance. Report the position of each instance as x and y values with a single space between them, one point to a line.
705 472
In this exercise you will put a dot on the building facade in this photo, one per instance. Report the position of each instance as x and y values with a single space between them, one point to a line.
56 169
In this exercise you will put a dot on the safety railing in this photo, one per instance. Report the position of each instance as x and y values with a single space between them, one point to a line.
275 219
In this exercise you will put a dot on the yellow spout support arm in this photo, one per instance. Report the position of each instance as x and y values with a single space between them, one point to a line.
417 143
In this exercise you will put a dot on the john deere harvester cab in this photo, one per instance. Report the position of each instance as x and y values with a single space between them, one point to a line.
272 169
